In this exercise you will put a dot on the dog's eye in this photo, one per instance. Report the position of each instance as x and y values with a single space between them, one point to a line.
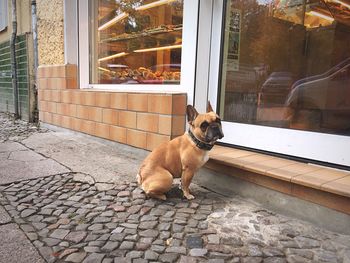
204 125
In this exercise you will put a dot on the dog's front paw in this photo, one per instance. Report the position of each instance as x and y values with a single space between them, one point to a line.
188 196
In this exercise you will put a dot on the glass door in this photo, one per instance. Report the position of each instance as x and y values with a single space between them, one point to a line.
284 78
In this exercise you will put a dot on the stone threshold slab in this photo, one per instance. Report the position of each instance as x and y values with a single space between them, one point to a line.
324 184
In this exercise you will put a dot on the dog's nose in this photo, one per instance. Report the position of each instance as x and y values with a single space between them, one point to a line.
218 132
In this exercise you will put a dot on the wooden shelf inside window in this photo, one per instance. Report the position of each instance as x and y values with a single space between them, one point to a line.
146 33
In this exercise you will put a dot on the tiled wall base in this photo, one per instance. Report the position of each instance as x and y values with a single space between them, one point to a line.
143 120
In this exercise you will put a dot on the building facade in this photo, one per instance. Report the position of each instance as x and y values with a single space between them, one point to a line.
25 67
277 72
49 17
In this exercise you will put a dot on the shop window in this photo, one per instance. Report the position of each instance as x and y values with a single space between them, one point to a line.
136 42
286 64
3 15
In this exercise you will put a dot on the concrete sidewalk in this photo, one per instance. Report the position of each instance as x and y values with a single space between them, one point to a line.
68 197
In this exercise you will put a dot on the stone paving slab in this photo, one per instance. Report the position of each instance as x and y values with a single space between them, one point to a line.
4 216
18 162
12 170
25 156
15 247
10 146
105 162
71 221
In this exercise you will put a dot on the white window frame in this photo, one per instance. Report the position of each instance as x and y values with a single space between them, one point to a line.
188 55
316 146
71 33
3 15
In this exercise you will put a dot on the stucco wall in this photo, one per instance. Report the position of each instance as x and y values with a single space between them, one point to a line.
50 32
23 20
50 28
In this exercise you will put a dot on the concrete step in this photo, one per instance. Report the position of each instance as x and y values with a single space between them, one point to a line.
320 195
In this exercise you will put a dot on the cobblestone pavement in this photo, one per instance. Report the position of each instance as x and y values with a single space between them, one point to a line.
68 218
16 130
70 221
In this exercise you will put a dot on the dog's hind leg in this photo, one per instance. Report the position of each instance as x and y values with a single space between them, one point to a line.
156 195
158 184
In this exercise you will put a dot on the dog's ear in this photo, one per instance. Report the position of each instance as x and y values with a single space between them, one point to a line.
191 113
209 108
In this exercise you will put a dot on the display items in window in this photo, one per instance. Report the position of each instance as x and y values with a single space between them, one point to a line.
136 42
286 64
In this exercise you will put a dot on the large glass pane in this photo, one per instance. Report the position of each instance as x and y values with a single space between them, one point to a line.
287 64
136 41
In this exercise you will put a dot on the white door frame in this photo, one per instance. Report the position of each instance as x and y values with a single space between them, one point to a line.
310 145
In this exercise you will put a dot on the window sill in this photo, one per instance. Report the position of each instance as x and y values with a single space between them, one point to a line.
128 89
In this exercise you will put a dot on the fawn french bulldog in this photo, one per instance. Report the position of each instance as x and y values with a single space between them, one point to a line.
182 156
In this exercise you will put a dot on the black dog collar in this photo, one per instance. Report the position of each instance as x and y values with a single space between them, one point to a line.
200 144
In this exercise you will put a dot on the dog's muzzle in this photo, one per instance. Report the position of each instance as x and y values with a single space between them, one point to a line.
214 133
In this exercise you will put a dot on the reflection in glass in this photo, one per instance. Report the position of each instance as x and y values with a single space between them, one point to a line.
287 64
136 41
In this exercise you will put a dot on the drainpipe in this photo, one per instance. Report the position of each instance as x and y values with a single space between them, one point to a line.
35 35
13 58
36 63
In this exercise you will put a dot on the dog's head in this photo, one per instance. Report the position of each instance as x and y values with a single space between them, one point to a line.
207 126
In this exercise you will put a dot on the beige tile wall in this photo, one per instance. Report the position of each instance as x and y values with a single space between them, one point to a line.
143 120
